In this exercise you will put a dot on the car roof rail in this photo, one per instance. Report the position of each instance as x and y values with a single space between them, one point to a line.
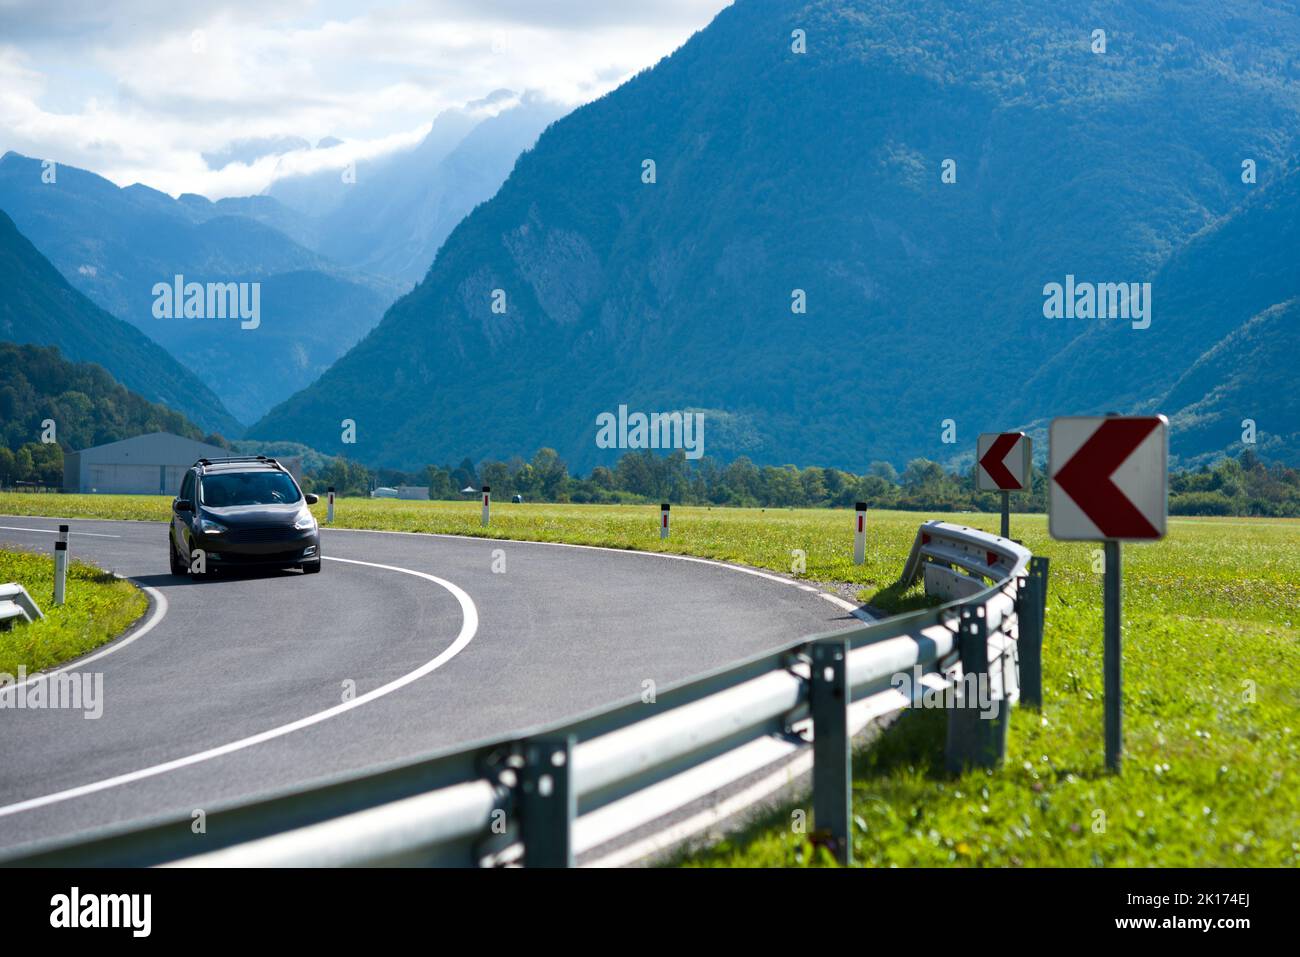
231 459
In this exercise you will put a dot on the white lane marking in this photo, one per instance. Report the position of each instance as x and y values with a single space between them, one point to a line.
155 616
468 628
54 531
855 610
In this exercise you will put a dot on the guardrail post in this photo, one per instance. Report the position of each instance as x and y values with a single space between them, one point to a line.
832 753
977 723
1039 564
1031 605
548 803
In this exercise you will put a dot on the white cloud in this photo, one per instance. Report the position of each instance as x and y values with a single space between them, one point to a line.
137 90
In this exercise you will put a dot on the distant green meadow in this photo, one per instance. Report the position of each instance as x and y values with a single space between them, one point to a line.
1211 681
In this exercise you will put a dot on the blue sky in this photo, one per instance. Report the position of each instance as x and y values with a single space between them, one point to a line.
139 90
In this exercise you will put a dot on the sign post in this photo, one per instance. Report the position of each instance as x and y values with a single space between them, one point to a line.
1113 655
1005 463
1109 483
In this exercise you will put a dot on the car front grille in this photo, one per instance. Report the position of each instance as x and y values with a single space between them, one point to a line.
262 534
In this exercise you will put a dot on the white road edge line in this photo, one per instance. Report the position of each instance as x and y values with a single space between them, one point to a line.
156 615
848 606
53 531
469 626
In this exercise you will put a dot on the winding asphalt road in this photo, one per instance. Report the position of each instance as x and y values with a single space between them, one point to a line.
240 685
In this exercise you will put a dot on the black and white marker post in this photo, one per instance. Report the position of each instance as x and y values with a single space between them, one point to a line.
329 508
61 565
860 533
487 504
663 520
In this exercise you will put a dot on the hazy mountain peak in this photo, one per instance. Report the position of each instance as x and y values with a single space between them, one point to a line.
250 150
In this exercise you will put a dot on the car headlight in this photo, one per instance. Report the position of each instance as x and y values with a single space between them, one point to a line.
209 527
305 521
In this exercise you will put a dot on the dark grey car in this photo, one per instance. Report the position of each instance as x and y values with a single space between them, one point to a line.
244 511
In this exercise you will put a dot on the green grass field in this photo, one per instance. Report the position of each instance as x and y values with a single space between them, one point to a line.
99 607
1212 684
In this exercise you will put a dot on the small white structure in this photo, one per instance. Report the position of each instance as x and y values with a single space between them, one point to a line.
152 464
416 493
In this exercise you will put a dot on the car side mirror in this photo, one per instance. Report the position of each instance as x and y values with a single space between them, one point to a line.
312 499
182 505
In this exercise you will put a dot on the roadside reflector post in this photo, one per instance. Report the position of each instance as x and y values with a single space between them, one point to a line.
663 520
860 533
61 565
487 504
832 756
329 507
548 803
977 722
1113 666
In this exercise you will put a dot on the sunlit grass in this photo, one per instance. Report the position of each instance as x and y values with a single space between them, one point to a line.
98 608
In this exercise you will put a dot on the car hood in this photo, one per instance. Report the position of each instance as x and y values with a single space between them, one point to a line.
254 515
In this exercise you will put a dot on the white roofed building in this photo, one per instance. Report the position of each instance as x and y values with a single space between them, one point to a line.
152 464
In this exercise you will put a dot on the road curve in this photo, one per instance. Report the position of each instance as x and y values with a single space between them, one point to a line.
404 644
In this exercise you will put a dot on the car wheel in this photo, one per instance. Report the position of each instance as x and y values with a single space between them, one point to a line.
311 568
177 566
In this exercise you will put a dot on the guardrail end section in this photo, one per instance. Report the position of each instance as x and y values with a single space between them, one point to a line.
548 803
832 752
20 604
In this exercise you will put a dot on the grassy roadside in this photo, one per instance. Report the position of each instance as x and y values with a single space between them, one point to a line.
1212 684
1212 728
99 607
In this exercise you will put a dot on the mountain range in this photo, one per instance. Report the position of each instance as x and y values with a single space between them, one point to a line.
115 244
328 262
39 307
916 178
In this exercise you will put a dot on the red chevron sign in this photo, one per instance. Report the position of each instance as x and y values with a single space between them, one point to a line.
1109 478
1003 459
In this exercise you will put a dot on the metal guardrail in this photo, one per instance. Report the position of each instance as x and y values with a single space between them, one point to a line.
16 605
518 798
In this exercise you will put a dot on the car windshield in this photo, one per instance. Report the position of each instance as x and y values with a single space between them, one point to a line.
248 488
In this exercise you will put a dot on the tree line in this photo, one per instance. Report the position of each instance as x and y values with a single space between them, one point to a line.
1232 486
